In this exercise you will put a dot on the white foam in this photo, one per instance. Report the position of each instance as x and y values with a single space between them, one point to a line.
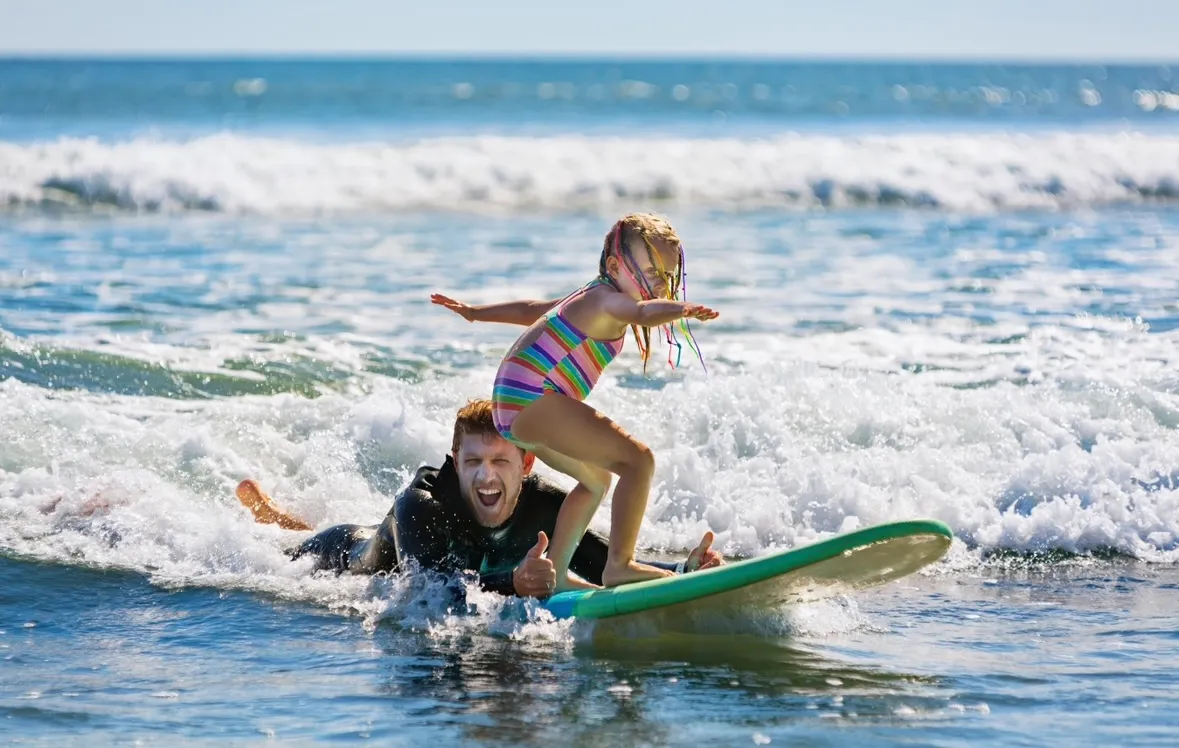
774 455
1036 430
242 174
767 455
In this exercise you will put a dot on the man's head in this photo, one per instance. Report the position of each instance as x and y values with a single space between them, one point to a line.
491 470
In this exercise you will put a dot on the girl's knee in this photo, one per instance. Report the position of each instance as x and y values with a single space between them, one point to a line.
599 480
639 459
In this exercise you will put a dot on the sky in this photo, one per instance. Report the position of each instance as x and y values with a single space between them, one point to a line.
1033 30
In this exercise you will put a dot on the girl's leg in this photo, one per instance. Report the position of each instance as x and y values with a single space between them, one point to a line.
576 511
573 429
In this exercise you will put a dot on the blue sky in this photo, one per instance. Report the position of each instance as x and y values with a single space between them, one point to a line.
962 29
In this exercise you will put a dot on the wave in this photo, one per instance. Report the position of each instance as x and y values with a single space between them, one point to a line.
236 174
777 456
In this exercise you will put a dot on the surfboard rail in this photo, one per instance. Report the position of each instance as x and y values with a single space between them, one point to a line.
850 561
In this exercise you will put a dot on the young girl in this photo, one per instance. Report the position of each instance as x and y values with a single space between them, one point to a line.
545 377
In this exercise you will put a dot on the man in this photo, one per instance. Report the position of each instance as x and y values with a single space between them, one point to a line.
482 511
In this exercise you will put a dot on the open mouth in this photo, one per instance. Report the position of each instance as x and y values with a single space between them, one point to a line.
488 496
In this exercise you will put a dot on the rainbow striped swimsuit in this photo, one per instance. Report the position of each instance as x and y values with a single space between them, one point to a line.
562 359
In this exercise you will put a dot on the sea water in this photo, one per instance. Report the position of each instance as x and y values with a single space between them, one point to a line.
946 291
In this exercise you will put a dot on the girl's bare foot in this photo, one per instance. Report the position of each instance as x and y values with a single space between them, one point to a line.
633 571
574 582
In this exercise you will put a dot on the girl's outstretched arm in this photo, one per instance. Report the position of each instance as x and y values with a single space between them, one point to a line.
654 312
509 312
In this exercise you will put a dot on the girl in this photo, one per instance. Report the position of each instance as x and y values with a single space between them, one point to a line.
545 377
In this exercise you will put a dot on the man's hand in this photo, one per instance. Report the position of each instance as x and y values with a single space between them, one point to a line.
703 556
535 576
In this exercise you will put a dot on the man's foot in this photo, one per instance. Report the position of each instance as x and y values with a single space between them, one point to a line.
615 574
252 497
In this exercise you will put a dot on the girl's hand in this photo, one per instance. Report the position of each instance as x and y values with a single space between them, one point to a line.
466 311
700 312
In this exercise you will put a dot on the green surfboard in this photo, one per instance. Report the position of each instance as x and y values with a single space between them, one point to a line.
845 563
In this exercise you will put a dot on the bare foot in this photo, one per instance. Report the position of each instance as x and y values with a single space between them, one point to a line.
252 497
574 582
614 575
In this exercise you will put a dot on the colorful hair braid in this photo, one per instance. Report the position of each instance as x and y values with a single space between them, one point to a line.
676 284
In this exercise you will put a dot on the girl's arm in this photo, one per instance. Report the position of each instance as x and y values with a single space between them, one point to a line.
654 312
509 312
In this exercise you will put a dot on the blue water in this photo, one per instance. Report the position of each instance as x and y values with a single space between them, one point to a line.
83 96
947 291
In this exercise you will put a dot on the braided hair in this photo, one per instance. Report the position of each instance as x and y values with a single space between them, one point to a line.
647 226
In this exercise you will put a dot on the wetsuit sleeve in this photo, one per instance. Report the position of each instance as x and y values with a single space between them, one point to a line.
589 559
670 566
421 530
498 581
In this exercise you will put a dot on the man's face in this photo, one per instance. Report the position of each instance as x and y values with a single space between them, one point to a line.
491 473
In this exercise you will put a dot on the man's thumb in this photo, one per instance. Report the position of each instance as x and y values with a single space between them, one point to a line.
542 543
706 542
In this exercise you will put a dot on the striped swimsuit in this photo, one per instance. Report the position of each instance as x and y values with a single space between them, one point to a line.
562 359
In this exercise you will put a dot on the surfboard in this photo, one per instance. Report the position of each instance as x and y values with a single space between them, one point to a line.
839 565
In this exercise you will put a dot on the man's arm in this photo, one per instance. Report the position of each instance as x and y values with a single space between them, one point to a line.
589 558
421 530
503 582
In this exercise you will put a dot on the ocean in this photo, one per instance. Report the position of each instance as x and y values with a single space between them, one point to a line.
946 291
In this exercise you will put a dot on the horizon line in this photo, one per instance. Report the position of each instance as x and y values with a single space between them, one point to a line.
575 57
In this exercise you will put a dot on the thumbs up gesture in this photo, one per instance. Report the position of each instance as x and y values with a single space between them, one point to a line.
535 576
704 556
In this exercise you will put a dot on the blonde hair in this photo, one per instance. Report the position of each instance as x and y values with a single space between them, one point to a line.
649 228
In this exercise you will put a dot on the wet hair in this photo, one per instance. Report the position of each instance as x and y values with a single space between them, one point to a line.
473 418
622 242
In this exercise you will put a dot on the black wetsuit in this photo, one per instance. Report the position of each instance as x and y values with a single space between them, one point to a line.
433 524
